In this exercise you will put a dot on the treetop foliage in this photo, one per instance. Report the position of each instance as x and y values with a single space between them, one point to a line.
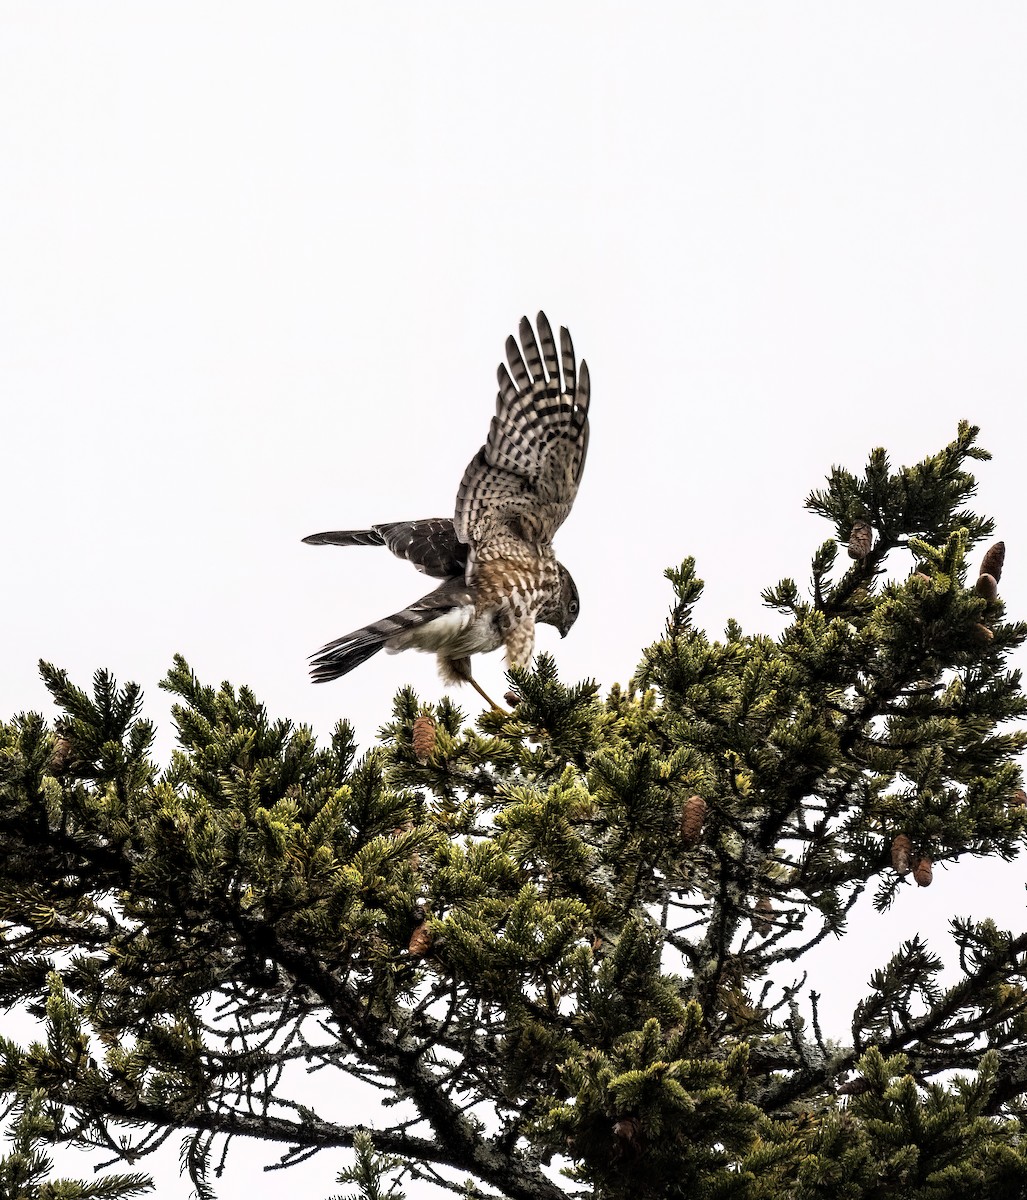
545 953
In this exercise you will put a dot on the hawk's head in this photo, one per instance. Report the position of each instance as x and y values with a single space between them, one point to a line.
561 608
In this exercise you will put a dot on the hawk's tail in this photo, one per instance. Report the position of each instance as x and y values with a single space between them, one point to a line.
341 656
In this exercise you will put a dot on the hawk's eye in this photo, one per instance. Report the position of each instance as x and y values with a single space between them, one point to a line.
572 608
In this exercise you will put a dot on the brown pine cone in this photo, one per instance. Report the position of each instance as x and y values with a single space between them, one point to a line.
423 738
861 539
991 563
982 635
923 872
420 940
1018 798
628 1138
901 852
693 813
762 916
60 756
987 586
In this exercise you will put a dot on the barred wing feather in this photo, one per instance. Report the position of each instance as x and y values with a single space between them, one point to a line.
430 544
523 481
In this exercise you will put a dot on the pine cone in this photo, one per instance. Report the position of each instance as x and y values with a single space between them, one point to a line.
987 586
512 698
991 563
1018 798
693 813
854 1087
420 940
628 1139
922 872
423 738
762 915
861 539
60 756
901 853
982 635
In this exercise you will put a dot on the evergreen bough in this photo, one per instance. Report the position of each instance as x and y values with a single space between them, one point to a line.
551 945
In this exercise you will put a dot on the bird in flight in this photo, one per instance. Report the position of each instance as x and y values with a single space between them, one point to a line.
495 554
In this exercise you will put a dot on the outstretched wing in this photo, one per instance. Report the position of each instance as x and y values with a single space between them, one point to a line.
521 484
430 544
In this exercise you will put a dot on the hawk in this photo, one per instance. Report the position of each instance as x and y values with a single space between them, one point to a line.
495 554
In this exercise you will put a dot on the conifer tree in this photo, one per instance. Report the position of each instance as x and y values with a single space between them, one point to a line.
547 943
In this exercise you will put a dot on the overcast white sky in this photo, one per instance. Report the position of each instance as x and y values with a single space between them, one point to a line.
258 262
